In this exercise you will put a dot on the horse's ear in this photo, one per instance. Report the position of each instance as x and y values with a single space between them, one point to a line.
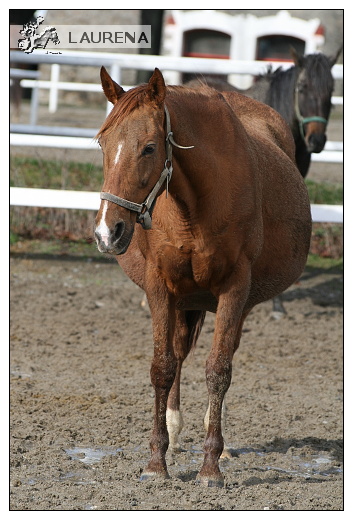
112 90
298 60
333 59
156 87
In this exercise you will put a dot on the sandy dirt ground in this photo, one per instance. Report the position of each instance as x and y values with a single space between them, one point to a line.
81 397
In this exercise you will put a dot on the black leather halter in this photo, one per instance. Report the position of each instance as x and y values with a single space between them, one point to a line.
144 210
304 120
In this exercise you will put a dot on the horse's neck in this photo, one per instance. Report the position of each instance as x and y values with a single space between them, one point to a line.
196 171
280 94
258 91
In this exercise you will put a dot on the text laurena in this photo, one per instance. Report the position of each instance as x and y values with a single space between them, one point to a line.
117 37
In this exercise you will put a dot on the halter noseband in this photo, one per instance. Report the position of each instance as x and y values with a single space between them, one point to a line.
144 210
304 120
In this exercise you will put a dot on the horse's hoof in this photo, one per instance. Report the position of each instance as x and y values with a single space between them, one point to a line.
152 475
277 315
217 481
228 453
177 449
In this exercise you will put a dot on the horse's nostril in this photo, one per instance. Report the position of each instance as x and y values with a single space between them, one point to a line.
316 143
118 231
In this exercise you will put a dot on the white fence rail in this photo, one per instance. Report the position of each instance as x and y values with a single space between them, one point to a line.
118 62
91 201
333 150
149 62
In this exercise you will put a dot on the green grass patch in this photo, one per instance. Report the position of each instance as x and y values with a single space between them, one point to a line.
324 193
55 175
74 225
320 262
40 173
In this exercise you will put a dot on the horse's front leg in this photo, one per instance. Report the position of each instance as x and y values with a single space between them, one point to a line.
163 370
229 321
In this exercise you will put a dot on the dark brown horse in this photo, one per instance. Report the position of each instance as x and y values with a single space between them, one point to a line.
231 228
301 94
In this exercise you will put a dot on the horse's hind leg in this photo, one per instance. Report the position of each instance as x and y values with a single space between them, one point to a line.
187 329
278 310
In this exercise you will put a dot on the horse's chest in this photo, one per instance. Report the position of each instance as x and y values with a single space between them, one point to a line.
185 270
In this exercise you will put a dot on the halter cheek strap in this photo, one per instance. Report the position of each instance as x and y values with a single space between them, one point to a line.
144 210
304 120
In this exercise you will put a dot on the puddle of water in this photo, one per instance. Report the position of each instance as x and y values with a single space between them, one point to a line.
21 375
318 465
91 455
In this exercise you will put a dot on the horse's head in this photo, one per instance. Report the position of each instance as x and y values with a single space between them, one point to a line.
133 142
313 93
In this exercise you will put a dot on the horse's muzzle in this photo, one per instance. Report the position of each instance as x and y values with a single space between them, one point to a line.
114 242
316 143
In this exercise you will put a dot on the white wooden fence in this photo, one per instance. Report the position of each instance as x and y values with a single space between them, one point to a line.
91 200
116 62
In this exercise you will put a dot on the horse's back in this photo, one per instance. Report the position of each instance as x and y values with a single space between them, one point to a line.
262 121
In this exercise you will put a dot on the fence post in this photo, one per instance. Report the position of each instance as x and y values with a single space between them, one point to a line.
53 91
34 105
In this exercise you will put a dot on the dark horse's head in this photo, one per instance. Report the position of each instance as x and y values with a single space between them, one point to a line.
312 97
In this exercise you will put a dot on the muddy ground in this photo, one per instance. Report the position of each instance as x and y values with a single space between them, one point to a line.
81 397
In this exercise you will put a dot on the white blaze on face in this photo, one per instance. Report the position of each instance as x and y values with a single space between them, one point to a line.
102 227
118 152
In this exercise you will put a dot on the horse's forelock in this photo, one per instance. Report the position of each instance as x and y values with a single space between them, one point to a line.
318 71
128 102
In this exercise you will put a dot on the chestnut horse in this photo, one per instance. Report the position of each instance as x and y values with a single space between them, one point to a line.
231 228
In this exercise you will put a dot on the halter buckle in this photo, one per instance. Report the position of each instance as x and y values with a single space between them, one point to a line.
144 218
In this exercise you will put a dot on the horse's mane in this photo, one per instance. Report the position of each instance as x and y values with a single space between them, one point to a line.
318 70
136 97
281 83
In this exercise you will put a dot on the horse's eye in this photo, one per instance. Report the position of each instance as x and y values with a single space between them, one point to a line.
149 149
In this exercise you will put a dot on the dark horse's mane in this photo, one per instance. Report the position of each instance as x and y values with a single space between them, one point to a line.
281 82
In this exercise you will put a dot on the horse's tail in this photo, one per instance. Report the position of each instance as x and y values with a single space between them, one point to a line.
194 320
